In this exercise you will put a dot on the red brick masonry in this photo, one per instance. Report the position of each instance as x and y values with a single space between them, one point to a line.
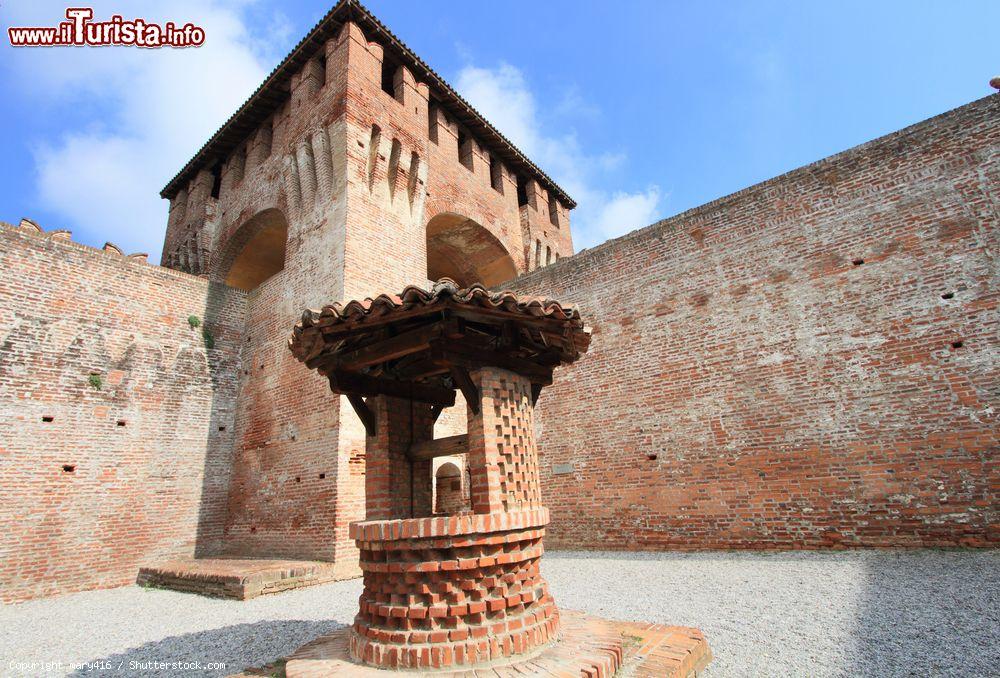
588 646
452 591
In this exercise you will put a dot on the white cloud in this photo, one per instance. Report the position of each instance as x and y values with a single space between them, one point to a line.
502 95
152 111
625 212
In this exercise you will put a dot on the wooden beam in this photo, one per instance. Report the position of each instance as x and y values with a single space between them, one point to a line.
365 413
472 358
464 382
442 447
420 369
392 348
364 385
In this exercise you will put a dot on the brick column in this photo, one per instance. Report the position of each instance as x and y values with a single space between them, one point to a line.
503 459
389 493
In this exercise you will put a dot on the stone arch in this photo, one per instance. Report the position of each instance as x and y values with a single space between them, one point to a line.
465 251
255 251
449 497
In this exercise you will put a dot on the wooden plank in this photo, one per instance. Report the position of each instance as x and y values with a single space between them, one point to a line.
392 348
364 385
364 412
442 447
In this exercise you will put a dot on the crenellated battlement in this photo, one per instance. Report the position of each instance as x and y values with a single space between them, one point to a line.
287 146
32 228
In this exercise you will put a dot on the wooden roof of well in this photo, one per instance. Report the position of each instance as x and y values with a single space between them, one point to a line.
421 344
275 89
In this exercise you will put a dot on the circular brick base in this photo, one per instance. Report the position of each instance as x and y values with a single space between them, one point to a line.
587 646
452 592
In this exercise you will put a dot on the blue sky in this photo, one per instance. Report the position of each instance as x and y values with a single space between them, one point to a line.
640 109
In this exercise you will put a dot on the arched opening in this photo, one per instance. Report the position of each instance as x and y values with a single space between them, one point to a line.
256 251
463 250
448 496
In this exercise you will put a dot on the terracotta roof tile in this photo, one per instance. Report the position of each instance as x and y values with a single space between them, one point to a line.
307 335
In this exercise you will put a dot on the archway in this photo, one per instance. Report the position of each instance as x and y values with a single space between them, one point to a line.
449 498
256 251
465 251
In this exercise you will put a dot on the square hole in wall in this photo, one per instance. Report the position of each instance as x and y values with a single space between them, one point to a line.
120 423
48 418
69 468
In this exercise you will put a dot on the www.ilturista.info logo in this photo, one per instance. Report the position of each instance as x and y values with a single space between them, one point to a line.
80 30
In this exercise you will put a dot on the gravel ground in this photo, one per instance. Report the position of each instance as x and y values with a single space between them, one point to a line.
854 613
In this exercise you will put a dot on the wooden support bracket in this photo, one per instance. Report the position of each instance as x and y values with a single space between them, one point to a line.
365 413
464 382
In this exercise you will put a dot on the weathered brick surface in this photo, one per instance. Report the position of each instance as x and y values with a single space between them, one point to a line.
809 362
588 646
241 579
97 482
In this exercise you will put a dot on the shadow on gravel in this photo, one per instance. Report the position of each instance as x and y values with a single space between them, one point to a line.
928 613
229 649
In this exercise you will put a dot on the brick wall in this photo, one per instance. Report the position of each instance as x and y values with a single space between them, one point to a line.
98 481
810 362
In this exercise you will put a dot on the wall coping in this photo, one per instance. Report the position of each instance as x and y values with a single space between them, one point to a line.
447 526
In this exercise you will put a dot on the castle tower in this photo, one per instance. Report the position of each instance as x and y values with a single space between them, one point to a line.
353 167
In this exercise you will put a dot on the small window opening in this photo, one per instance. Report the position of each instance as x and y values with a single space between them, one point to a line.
266 138
522 192
948 295
322 69
389 68
48 419
465 149
120 422
538 253
957 344
69 468
554 211
216 180
548 255
432 123
496 174
857 262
